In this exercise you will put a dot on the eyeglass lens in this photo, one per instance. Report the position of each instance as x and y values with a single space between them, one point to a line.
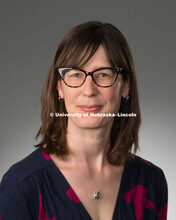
102 77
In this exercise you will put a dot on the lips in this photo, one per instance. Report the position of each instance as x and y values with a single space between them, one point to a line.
90 108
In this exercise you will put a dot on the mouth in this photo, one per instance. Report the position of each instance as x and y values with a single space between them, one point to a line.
90 108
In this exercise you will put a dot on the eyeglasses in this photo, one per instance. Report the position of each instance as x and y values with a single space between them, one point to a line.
103 77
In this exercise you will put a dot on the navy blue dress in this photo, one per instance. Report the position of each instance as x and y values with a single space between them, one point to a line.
35 189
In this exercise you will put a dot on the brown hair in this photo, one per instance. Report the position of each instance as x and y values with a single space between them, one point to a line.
74 50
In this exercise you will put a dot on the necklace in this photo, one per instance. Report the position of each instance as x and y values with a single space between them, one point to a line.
97 194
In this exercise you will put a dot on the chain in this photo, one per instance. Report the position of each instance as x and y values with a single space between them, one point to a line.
97 186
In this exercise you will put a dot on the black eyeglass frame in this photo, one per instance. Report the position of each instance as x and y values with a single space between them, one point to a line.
118 71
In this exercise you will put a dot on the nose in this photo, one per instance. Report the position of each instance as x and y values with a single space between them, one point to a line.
89 87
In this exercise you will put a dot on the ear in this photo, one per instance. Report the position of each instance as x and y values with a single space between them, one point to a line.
126 89
60 89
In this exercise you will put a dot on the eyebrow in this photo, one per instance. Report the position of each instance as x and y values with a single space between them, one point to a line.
96 68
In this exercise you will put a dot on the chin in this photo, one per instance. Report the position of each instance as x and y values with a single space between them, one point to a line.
92 122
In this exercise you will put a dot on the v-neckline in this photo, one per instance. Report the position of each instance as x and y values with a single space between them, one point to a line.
114 216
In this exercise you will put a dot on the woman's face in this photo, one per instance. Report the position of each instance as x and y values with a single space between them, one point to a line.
90 98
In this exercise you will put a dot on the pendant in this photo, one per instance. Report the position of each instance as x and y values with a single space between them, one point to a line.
97 194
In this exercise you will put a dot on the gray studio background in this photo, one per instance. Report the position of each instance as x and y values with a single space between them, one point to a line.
29 34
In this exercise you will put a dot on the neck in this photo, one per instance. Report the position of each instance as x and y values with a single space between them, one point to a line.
88 146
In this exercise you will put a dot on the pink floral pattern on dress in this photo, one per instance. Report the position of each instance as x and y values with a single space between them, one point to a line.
72 195
138 195
145 161
46 156
162 214
42 212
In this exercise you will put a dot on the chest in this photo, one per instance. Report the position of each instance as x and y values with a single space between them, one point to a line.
109 185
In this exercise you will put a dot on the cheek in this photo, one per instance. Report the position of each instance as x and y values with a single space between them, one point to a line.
113 97
70 96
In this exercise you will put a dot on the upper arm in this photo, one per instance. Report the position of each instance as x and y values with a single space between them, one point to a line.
162 197
12 201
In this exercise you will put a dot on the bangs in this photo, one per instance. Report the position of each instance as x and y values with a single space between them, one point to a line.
77 49
80 55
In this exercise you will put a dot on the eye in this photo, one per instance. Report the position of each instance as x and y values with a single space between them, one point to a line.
76 75
103 75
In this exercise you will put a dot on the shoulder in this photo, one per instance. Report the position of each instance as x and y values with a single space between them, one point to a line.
145 170
18 188
146 181
23 169
136 162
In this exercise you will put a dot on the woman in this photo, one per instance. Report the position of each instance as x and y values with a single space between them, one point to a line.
84 167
